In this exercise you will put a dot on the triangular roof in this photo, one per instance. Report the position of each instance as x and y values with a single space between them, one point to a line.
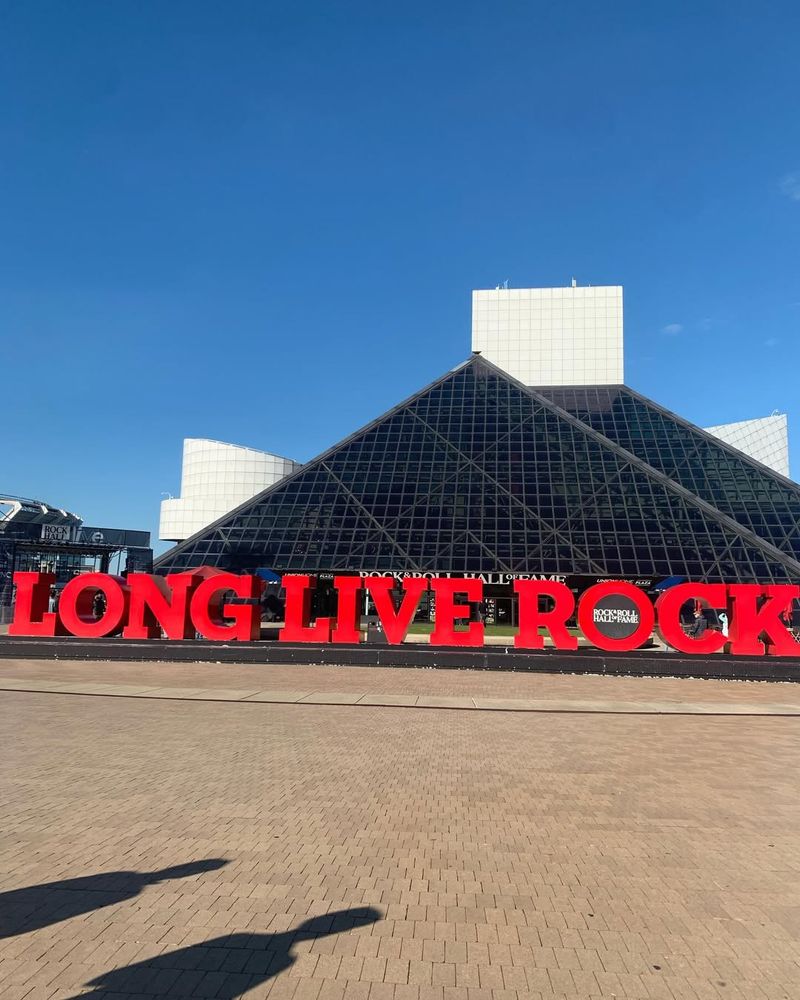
479 473
736 484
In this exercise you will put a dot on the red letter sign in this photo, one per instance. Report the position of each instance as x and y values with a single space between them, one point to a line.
31 616
668 607
753 612
348 612
76 608
209 613
298 613
447 611
395 623
635 611
555 620
157 602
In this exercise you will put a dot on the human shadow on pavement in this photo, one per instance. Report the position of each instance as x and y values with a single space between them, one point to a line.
224 967
37 906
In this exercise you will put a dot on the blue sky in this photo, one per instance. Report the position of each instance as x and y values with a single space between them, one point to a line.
261 222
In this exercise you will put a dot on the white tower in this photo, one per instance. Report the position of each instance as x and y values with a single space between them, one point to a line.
551 336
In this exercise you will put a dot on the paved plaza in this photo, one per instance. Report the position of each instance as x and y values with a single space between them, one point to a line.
205 843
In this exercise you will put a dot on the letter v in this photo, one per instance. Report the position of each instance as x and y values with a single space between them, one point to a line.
395 623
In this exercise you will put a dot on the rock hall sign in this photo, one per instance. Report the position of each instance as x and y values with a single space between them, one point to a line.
613 615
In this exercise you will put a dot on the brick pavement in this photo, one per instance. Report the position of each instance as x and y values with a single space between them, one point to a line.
505 856
57 685
402 681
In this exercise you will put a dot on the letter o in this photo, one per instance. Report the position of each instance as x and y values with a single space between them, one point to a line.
76 611
589 602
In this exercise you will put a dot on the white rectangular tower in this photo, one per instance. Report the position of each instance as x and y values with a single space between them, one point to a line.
551 336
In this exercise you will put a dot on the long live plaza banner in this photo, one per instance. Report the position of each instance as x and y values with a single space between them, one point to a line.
615 615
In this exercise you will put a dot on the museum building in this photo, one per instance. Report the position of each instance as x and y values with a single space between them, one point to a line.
576 477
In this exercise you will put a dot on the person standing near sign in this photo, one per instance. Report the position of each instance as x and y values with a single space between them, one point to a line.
699 625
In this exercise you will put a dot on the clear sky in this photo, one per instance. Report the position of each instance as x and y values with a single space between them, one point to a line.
261 222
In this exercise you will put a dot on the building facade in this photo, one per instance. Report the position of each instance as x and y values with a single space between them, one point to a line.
36 537
765 439
215 478
520 464
552 336
574 336
479 474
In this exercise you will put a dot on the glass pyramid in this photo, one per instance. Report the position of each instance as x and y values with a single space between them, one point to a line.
753 495
479 474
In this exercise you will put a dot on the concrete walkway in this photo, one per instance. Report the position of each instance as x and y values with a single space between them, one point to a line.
372 699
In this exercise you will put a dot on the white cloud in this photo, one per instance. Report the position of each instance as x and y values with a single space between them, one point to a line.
771 342
672 328
790 185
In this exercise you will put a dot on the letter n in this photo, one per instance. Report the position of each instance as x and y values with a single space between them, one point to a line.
157 603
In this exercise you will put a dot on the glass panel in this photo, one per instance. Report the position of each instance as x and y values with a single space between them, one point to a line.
475 474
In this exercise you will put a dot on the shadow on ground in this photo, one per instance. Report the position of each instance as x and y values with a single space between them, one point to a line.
38 906
224 967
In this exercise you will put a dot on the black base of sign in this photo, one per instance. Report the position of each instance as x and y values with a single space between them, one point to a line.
644 663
